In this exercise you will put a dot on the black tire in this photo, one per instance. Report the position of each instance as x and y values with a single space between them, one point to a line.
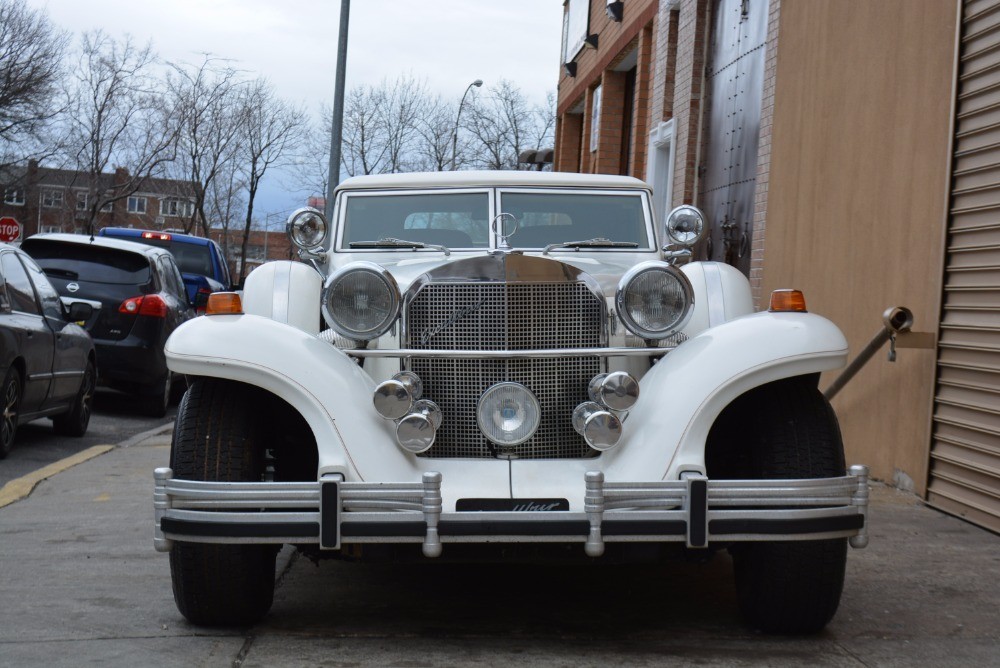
786 429
10 404
218 436
75 421
156 398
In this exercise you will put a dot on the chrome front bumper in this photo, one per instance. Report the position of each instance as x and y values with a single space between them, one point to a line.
695 511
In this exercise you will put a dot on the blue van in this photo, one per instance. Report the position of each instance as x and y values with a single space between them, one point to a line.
200 260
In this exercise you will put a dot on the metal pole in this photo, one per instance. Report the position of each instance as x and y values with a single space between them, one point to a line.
454 137
336 130
894 321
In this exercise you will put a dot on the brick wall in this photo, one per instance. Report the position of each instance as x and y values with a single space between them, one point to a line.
692 38
764 152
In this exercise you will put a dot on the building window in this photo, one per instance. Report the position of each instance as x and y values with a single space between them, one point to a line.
52 199
136 204
82 199
49 229
108 206
14 196
595 119
176 207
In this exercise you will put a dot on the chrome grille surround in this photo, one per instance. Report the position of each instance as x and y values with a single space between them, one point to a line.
517 303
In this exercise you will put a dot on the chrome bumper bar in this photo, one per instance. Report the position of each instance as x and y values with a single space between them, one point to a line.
695 511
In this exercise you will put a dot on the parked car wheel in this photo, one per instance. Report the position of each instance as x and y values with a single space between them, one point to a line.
76 420
789 431
157 399
217 437
11 397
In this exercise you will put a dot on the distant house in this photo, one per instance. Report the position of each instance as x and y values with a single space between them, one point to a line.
44 199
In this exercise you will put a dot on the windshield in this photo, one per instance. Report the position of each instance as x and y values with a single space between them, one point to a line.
455 220
553 218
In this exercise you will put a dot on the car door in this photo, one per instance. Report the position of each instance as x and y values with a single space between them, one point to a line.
32 336
69 355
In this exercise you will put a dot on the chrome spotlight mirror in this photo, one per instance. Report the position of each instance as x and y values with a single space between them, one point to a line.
685 226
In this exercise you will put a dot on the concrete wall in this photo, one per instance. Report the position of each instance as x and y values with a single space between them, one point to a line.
857 196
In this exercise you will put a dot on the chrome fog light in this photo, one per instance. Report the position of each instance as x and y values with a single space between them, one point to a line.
394 398
617 390
508 414
600 428
415 433
307 228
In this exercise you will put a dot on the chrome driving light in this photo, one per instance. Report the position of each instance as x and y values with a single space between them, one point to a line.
307 228
508 413
685 225
395 397
361 301
654 300
600 428
416 431
617 390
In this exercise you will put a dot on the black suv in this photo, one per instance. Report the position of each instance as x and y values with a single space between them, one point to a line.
138 298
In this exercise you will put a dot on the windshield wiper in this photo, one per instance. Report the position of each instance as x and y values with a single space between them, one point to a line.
393 242
599 242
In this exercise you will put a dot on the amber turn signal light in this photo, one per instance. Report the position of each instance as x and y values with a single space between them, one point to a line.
220 303
787 301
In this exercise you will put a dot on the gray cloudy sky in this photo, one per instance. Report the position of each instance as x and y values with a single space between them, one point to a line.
293 43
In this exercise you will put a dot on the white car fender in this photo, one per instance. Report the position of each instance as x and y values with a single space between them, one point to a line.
683 393
287 292
333 394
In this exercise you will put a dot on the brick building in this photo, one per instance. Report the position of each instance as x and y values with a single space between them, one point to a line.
848 149
43 199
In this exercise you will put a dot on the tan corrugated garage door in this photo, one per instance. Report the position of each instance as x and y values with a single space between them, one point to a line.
965 452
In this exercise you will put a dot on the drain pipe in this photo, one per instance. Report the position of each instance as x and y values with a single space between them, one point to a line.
895 321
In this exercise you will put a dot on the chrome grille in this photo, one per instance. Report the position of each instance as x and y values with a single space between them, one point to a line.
505 316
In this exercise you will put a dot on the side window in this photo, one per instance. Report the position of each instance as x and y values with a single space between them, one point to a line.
4 299
51 305
172 281
22 297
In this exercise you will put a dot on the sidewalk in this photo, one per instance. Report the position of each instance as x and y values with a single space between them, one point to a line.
80 584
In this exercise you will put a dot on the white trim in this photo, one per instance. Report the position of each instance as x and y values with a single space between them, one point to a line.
660 166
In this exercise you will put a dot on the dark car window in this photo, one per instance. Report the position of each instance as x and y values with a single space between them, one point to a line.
4 299
171 278
89 263
51 306
457 220
19 290
193 258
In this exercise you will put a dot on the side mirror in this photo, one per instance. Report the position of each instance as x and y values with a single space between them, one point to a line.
80 312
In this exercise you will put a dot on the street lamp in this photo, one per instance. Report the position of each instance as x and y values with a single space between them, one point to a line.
454 138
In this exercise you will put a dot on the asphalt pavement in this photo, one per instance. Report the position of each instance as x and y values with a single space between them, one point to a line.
81 585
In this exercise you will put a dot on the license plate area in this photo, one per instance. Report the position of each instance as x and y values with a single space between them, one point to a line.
511 505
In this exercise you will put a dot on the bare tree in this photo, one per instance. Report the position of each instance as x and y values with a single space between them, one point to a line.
119 118
502 125
364 149
271 132
31 56
225 202
206 98
436 129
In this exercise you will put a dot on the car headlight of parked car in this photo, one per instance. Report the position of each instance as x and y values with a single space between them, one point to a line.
654 300
361 301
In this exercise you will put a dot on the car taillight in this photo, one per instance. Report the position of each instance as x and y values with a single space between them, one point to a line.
201 300
151 305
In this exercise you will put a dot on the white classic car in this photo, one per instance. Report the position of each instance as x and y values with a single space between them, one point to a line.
506 359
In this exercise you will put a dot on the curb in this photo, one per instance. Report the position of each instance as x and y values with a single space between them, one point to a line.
19 488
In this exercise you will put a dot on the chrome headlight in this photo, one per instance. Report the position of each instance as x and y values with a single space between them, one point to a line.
654 300
307 228
685 225
361 301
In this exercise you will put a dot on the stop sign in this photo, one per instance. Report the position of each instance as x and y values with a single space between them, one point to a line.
10 229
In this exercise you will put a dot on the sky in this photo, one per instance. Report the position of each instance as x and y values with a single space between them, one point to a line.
293 43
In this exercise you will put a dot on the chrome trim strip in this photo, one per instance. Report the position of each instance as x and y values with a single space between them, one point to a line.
716 295
511 354
279 306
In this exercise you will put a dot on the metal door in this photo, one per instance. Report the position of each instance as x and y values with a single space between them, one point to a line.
729 167
965 448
